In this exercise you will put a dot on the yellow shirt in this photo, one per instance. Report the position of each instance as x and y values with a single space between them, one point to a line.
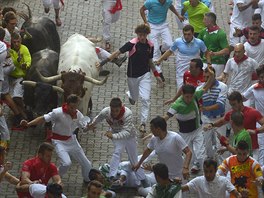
25 58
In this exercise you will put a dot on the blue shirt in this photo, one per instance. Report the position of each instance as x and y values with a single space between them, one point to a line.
157 12
215 95
188 49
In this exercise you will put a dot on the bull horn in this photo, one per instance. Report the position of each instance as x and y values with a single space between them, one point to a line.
94 81
58 89
29 11
29 83
48 79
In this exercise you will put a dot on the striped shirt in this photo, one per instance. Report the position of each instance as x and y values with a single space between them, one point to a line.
215 95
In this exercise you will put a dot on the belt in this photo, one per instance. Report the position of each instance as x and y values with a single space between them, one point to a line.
56 136
218 116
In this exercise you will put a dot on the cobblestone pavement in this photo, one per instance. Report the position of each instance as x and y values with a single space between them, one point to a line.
84 17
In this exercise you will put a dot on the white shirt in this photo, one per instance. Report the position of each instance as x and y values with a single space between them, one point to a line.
244 18
62 123
213 189
257 95
261 11
169 151
240 79
255 52
122 128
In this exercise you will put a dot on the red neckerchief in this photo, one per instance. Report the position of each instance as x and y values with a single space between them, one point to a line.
121 113
212 29
116 7
259 86
240 60
7 44
65 110
255 44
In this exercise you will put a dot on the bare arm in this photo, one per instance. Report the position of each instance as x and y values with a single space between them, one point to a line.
11 179
172 8
210 80
241 7
57 179
36 121
223 77
164 56
222 52
143 15
184 188
220 122
114 55
186 163
146 153
261 122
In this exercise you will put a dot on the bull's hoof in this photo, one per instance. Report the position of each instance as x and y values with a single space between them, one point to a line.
46 10
104 73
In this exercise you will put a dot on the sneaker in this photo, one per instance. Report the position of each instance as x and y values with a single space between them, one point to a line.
46 10
119 61
142 128
162 77
195 169
107 46
162 52
131 101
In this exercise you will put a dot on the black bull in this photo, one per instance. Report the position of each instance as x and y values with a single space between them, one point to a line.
39 96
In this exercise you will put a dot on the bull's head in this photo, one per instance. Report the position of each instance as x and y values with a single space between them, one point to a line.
43 96
72 82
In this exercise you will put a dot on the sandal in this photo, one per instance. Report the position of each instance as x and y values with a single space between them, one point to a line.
108 46
142 128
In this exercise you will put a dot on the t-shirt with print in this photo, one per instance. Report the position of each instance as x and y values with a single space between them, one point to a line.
243 174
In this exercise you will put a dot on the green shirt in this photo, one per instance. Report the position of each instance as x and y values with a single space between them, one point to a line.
196 15
215 42
187 112
25 58
242 135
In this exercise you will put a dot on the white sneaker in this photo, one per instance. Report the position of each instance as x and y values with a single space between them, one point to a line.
195 169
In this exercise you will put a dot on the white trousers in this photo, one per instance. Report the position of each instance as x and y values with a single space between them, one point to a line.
160 31
195 141
48 3
16 89
71 147
211 140
179 80
261 149
141 86
108 18
4 131
130 146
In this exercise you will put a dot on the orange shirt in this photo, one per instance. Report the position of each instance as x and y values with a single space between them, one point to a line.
242 174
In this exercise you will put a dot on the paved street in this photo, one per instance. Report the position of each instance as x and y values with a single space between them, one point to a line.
84 17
